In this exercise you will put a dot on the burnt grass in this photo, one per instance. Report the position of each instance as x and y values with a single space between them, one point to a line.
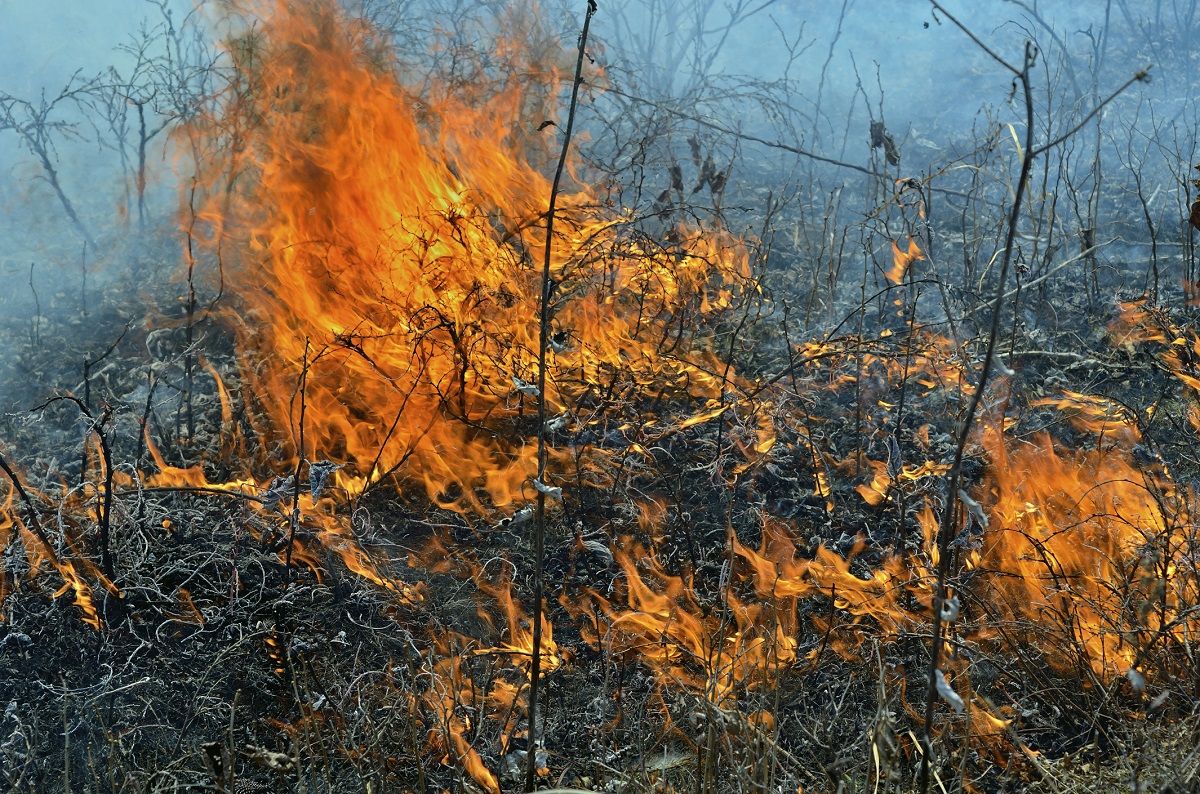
237 652
218 665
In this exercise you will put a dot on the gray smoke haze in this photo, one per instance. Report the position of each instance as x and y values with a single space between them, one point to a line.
51 52
909 63
820 76
811 75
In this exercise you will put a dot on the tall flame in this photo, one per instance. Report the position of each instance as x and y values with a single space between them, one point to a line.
386 251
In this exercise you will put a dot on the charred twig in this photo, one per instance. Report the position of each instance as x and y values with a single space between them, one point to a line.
144 422
197 490
411 448
30 510
1140 76
1086 253
88 363
294 516
539 529
741 135
795 364
104 511
946 529
35 330
189 359
1021 77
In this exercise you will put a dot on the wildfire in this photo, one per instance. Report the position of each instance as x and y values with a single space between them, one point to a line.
382 243
902 260
1084 546
27 551
454 699
387 244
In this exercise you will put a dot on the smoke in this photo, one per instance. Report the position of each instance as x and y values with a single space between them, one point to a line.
52 52
832 80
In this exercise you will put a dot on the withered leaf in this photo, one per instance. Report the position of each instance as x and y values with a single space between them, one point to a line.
706 173
676 177
881 137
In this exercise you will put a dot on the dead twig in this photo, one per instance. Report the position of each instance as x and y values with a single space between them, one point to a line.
539 528
35 525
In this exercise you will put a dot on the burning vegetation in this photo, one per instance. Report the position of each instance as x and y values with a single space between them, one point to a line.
460 466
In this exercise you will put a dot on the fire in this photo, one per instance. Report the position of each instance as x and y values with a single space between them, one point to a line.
902 260
451 698
1098 415
382 242
468 711
27 549
1178 348
1087 548
387 244
1077 557
688 644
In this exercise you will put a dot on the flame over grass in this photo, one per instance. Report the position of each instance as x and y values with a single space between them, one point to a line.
1083 559
454 690
383 246
388 246
30 553
1080 559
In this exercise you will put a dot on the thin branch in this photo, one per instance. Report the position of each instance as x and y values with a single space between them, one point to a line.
741 135
294 516
539 528
1140 76
30 510
1019 73
946 528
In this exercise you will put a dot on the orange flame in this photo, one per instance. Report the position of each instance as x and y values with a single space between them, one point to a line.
901 260
451 690
1083 545
688 644
501 698
75 573
388 251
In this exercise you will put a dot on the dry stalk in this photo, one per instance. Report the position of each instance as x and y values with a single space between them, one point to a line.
294 516
946 528
30 510
539 529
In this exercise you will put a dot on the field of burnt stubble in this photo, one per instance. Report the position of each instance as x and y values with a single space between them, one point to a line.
843 455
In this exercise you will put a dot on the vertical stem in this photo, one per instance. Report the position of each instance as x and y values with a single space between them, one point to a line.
66 738
188 357
83 289
946 528
87 401
35 336
141 172
105 511
539 528
294 519
33 523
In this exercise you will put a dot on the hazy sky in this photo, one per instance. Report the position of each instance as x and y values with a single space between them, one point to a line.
931 74
42 42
